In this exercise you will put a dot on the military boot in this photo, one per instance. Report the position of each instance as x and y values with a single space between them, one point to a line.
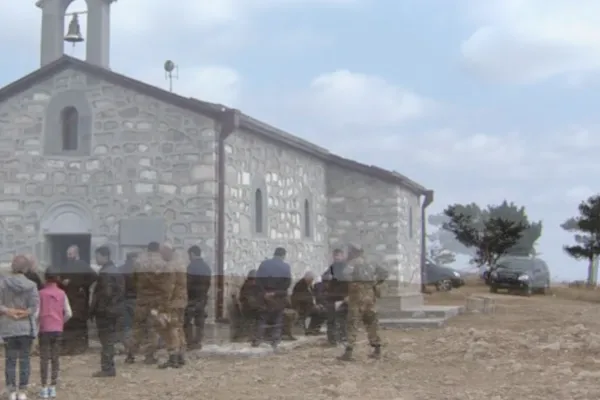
348 355
130 359
181 359
172 362
150 360
376 354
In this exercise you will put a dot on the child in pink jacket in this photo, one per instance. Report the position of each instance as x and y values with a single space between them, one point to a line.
55 310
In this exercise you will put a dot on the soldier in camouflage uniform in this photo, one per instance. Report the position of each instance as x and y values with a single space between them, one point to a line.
173 333
148 278
363 280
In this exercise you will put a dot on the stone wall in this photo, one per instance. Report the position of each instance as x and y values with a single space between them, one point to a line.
376 215
146 158
286 179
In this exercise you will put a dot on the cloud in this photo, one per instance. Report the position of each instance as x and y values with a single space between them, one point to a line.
526 41
579 193
345 98
213 83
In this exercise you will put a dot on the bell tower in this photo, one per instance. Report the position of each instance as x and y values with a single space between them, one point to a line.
53 30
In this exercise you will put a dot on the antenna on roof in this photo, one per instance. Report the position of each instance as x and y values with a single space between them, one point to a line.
169 68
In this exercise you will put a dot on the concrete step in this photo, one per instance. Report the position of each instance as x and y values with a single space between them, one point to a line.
431 311
412 323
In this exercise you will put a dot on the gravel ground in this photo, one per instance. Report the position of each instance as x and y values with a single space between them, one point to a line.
531 348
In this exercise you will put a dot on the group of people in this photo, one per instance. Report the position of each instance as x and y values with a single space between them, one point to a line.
155 296
152 297
344 296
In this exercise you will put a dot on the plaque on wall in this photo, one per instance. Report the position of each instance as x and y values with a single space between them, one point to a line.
135 232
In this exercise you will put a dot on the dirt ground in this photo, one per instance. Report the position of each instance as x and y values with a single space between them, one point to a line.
542 347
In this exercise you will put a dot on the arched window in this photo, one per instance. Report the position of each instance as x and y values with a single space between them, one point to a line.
307 225
69 119
258 211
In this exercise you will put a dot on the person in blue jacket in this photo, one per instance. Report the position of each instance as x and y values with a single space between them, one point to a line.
273 278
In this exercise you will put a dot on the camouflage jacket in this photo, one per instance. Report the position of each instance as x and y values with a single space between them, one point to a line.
152 282
178 271
363 280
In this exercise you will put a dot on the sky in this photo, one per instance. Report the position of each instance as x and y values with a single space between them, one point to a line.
480 101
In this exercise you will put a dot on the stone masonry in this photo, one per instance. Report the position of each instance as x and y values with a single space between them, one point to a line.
383 218
345 207
286 179
146 158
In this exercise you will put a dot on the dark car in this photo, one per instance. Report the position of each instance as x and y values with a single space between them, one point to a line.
524 274
444 278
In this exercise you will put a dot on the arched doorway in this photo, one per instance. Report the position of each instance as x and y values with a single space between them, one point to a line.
65 224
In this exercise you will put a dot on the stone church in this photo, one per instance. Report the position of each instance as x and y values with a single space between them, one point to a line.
92 157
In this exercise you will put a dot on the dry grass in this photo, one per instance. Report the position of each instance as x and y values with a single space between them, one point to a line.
577 291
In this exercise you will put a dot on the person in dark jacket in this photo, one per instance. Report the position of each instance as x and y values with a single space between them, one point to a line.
249 307
304 302
199 276
32 273
336 287
274 278
126 320
77 277
106 307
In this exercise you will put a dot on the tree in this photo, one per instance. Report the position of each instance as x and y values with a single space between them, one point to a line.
437 252
492 232
586 227
445 238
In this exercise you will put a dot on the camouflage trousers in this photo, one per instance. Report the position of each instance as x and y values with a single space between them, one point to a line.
367 315
172 333
143 333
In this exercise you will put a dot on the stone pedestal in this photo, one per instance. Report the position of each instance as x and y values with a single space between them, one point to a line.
410 300
387 305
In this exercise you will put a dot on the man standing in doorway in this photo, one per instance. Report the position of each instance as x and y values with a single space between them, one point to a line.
274 278
76 279
106 307
199 278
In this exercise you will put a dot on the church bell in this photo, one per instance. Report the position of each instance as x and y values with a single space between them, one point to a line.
74 32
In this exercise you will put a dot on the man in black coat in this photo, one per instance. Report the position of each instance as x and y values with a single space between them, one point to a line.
106 308
125 323
304 302
249 306
199 276
77 277
273 278
336 291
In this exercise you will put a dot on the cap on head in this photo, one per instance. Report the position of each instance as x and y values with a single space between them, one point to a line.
52 274
153 246
20 264
194 251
